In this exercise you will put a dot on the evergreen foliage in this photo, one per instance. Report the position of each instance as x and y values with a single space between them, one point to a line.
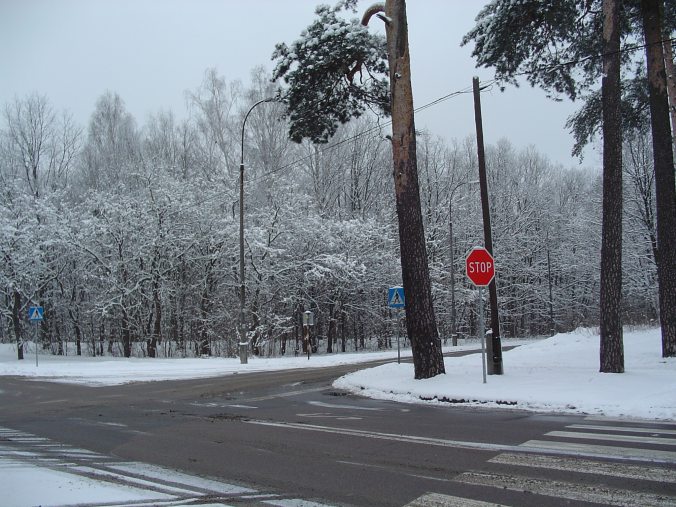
334 73
557 46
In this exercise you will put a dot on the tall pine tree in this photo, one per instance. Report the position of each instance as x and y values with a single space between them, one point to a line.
558 46
334 72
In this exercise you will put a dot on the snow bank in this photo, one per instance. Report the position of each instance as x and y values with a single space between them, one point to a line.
559 374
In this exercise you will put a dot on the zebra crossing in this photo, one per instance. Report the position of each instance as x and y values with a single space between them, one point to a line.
108 481
599 461
630 462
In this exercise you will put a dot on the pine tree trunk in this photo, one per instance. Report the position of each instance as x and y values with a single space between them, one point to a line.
612 348
420 322
664 174
670 68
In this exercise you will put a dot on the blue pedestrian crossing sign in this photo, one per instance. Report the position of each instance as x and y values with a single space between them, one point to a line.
35 313
395 297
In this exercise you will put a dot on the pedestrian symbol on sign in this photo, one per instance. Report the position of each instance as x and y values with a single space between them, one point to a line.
395 297
35 313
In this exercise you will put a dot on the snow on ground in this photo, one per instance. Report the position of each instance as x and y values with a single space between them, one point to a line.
106 371
558 374
19 482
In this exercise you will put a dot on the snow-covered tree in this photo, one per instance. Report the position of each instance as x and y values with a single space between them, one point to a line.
112 150
213 107
37 145
334 72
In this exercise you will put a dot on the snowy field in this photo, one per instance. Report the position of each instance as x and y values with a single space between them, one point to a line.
558 374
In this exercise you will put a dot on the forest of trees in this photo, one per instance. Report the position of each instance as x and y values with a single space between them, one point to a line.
127 233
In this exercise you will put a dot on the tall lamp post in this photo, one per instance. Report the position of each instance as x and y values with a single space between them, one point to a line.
454 335
243 342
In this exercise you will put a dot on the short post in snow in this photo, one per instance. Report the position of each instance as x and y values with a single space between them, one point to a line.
308 322
396 300
480 269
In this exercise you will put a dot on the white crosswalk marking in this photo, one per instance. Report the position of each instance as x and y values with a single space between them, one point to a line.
603 451
616 438
568 490
652 467
625 429
438 500
612 433
583 466
643 422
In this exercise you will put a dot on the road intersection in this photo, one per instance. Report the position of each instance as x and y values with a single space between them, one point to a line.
289 438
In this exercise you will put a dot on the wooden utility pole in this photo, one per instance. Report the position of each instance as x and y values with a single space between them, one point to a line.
495 344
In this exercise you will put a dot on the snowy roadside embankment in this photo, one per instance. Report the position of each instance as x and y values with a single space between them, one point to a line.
559 374
107 371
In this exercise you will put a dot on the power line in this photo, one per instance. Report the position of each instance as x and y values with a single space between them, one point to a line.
366 132
440 100
486 84
335 145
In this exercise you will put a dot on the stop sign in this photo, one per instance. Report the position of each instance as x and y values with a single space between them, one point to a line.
480 266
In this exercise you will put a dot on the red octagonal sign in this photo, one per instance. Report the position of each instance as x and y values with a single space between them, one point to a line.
480 266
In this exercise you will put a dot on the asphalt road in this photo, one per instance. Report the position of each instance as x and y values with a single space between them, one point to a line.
291 435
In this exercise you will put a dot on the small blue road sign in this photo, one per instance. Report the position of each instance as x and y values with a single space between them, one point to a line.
395 297
35 313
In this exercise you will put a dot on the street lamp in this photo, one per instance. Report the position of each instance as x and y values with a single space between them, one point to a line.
243 342
454 335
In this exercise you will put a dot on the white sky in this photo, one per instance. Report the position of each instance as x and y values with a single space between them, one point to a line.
151 51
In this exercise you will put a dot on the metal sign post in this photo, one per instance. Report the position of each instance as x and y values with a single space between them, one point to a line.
36 343
35 315
396 300
482 331
398 337
480 269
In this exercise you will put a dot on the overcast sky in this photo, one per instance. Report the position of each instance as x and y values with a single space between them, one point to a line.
151 52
